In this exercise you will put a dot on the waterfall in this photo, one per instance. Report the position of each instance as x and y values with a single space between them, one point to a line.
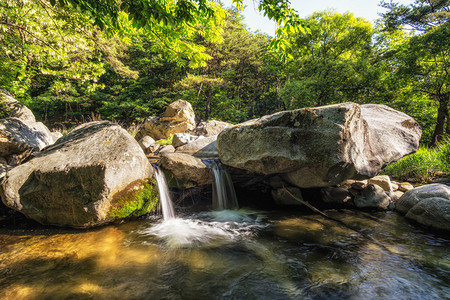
224 196
164 196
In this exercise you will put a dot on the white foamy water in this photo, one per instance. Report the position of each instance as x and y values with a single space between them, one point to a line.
224 195
207 229
164 196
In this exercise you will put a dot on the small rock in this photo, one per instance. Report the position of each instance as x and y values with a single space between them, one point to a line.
145 143
186 167
359 185
394 186
166 149
154 147
405 186
373 196
382 181
180 139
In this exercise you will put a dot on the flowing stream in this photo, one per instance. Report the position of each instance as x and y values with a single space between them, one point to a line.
224 196
164 196
231 254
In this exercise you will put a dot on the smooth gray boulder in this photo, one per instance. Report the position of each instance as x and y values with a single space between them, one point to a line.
210 128
428 205
86 178
323 146
17 136
14 109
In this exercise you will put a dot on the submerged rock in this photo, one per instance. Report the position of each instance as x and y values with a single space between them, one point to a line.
95 174
428 205
323 146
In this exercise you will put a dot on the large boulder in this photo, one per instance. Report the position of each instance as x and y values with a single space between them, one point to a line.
17 136
428 205
185 167
10 107
178 117
323 146
95 174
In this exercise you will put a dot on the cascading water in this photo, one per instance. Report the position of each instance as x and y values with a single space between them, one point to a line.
164 196
224 196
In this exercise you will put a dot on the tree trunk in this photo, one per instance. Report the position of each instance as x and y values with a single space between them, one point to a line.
208 101
439 130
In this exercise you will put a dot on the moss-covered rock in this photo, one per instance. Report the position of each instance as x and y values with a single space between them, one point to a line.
137 199
4 107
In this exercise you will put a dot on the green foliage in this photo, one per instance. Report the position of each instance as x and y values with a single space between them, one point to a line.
424 61
127 60
424 165
331 63
167 141
135 201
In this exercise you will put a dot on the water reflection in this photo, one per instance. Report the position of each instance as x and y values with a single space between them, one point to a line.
229 254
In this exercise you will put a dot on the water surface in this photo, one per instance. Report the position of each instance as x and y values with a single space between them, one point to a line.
229 255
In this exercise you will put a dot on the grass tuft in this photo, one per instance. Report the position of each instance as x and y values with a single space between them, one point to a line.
424 165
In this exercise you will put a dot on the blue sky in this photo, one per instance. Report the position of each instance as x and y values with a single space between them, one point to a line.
367 9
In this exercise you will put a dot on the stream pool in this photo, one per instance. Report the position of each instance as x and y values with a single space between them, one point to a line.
227 254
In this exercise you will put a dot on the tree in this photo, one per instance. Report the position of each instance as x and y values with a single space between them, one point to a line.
426 59
169 22
330 62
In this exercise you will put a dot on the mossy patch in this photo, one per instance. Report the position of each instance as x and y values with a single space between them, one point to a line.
137 199
5 109
167 141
